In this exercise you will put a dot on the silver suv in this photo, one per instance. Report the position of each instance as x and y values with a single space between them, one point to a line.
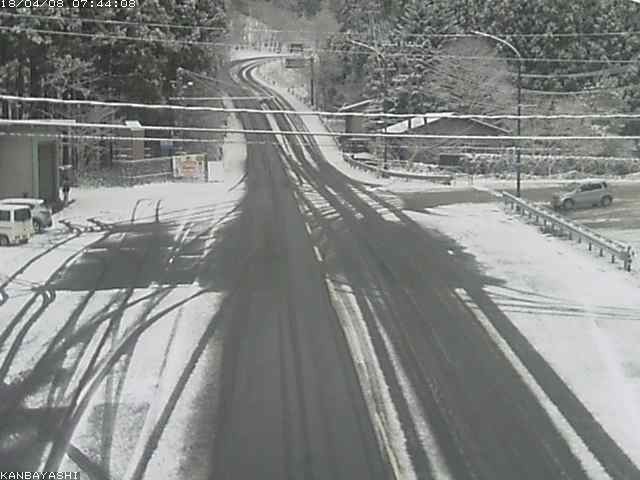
589 193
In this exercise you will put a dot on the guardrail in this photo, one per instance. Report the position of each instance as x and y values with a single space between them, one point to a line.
374 168
561 224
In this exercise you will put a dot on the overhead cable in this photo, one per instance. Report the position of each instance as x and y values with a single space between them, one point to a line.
431 115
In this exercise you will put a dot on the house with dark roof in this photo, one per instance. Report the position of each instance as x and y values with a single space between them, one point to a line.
443 150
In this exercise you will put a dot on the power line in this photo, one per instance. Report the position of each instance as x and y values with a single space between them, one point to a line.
589 91
593 73
98 103
417 136
313 32
19 29
106 137
504 151
63 18
206 99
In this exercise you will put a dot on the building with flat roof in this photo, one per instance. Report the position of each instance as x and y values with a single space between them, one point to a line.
30 159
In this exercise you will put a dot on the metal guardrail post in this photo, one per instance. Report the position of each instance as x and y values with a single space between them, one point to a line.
627 259
561 225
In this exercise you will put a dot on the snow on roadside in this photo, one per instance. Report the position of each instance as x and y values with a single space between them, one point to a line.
251 53
327 145
629 236
141 388
581 313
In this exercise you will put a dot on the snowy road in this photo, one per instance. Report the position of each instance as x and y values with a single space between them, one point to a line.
290 323
440 394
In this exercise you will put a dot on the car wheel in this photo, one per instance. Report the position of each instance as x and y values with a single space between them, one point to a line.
37 226
568 204
606 201
4 241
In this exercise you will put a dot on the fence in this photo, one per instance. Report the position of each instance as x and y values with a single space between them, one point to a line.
144 170
563 225
375 168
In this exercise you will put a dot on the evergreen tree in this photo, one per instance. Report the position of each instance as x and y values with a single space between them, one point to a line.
415 36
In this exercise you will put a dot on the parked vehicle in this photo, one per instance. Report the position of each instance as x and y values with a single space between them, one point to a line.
588 193
41 214
15 224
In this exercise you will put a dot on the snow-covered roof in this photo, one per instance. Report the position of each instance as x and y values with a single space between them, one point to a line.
56 121
354 106
427 118
22 201
416 122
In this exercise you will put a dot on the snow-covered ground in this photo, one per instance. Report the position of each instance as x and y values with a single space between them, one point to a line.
249 53
155 348
579 311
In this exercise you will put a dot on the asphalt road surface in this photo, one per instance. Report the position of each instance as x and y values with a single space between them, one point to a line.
291 402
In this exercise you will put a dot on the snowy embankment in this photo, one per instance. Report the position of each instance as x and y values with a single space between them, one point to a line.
581 313
249 53
266 74
140 391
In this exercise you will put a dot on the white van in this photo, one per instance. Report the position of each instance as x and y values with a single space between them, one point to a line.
41 214
16 225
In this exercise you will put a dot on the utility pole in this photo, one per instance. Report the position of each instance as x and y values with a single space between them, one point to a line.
312 89
385 164
385 92
514 50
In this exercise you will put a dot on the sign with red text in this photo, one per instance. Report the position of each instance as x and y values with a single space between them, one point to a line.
192 167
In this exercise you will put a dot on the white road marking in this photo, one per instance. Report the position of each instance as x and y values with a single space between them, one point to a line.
308 228
318 254
589 462
382 410
439 468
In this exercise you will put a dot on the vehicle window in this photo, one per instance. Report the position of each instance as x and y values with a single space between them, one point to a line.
5 215
604 184
22 214
585 188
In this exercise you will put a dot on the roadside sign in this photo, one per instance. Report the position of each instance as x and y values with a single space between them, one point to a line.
295 62
189 166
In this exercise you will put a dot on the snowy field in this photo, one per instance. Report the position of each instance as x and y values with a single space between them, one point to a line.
126 360
579 311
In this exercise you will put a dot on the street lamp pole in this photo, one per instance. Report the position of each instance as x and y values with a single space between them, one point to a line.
385 88
519 106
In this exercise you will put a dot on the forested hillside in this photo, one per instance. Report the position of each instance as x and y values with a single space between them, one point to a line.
405 32
108 53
